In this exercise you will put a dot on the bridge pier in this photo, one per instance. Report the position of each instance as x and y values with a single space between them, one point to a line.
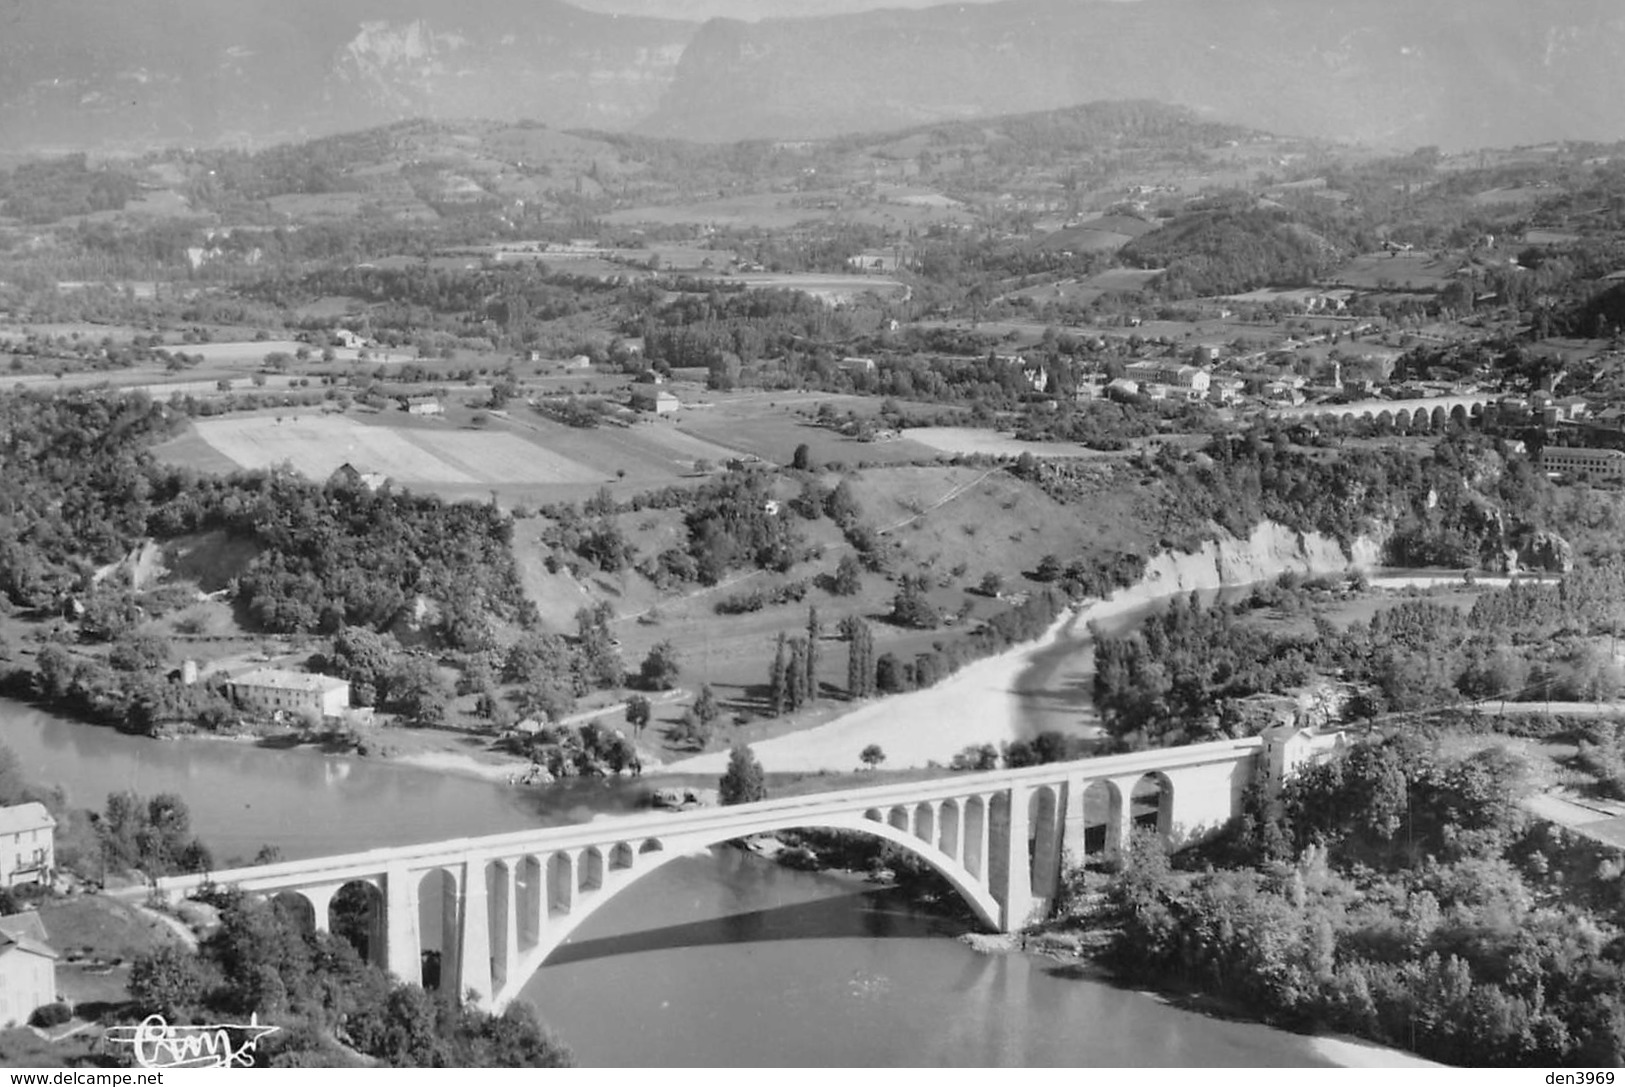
1009 874
472 975
402 950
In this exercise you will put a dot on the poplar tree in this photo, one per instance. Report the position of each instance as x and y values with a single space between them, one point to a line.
815 631
795 680
777 679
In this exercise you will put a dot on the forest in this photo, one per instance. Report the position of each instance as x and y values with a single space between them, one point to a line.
332 1008
1180 678
1398 893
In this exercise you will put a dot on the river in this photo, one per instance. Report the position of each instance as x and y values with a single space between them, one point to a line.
717 959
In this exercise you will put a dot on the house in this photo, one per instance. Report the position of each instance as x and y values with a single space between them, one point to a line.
855 364
1122 389
650 399
348 475
27 844
577 363
270 690
1225 389
27 969
343 337
1088 390
424 405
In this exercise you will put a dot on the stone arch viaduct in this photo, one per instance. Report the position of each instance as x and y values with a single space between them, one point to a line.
490 910
1432 412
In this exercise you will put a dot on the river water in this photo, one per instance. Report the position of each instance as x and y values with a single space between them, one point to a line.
718 959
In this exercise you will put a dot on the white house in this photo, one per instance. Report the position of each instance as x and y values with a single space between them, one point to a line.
268 690
27 969
424 405
27 844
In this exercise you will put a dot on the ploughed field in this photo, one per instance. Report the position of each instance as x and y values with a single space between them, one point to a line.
441 454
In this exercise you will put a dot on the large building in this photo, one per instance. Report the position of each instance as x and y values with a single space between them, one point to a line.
268 690
1192 381
1599 463
27 844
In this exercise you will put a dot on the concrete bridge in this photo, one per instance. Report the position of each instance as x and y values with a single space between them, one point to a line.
1431 412
490 910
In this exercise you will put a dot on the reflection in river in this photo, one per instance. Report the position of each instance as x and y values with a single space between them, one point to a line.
727 959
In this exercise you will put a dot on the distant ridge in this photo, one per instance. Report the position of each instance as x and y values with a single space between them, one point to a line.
1456 73
87 74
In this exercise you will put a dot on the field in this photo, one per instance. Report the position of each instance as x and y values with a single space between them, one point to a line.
524 459
316 445
1419 271
771 430
1122 279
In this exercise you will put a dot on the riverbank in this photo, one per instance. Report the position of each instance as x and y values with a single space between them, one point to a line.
1046 684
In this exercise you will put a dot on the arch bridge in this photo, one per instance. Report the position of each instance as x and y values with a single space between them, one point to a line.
481 915
1422 413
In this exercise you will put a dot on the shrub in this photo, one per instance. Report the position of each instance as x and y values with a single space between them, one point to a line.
51 1015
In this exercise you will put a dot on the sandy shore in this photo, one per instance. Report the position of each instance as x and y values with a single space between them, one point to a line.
977 705
1354 1053
1044 683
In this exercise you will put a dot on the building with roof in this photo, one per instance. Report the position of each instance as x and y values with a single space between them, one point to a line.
348 475
425 405
1194 381
1597 463
27 968
27 844
658 401
269 690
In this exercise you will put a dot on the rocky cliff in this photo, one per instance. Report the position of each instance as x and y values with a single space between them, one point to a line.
1272 550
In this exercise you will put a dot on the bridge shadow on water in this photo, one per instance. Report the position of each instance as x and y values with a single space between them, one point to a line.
883 913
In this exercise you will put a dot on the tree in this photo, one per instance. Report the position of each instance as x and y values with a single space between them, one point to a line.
872 756
848 578
692 731
637 712
778 679
166 981
801 459
860 662
705 706
795 675
660 668
815 631
744 782
992 583
891 674
1049 568
912 608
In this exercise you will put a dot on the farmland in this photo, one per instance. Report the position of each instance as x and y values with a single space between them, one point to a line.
528 459
771 430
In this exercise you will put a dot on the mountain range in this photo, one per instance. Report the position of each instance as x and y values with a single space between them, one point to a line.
86 74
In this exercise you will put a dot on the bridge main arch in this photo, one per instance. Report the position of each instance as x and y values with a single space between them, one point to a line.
557 928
